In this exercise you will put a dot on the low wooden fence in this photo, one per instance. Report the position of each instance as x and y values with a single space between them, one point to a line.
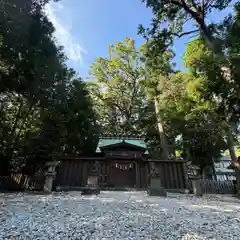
173 174
215 187
21 182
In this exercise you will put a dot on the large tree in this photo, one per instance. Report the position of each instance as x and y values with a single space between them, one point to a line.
202 64
44 106
195 122
117 90
68 125
158 70
126 93
170 21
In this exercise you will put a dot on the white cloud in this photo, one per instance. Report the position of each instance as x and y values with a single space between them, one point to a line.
64 38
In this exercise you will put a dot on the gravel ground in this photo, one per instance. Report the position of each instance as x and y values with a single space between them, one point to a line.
118 215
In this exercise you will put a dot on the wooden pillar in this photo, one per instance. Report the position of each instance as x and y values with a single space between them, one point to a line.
146 174
110 165
84 173
137 175
108 169
97 168
185 177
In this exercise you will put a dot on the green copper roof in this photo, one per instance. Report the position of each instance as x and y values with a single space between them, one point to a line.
105 141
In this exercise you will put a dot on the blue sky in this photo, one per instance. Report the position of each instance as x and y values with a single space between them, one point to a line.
87 27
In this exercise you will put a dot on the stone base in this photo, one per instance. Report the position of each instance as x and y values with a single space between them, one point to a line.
161 192
238 194
90 191
197 188
48 184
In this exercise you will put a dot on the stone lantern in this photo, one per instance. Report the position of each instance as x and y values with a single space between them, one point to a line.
50 176
92 184
194 175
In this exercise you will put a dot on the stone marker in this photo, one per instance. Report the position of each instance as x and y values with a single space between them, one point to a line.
156 188
49 176
92 184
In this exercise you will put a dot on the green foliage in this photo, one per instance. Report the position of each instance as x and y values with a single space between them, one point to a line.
117 91
216 50
170 18
181 108
158 69
213 58
121 94
45 110
196 120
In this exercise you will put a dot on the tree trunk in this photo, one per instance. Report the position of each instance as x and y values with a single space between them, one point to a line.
231 148
163 140
214 175
209 40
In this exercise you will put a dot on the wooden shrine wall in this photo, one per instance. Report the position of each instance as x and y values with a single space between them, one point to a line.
73 173
173 174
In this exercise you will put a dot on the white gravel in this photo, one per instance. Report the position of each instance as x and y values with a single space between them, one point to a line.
118 215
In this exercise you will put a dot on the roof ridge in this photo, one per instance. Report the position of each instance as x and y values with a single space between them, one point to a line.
110 140
126 137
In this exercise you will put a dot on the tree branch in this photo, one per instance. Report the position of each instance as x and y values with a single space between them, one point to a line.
185 33
196 15
208 4
195 5
203 4
188 9
177 3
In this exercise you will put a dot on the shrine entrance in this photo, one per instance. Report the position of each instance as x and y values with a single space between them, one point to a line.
121 166
121 163
122 174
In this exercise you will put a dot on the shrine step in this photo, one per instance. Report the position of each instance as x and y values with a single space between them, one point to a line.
161 192
90 191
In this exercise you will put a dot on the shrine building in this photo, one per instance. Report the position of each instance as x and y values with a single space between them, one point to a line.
121 163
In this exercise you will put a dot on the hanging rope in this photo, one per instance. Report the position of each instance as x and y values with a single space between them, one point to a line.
124 166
